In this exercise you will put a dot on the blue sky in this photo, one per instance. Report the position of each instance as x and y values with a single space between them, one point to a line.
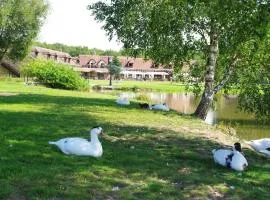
69 22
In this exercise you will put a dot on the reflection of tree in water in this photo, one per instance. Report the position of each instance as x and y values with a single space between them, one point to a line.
224 109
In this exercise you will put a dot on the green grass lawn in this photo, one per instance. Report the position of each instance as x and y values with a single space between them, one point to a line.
147 154
159 86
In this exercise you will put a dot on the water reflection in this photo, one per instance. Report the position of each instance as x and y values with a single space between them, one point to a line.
224 109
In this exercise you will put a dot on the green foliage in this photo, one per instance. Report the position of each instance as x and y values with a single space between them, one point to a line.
116 61
20 21
54 75
172 31
115 66
178 31
143 97
254 78
77 50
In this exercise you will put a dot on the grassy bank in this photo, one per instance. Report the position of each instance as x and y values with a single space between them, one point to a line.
147 154
158 86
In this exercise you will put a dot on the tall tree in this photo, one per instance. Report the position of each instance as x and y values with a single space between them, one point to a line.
173 31
20 21
114 68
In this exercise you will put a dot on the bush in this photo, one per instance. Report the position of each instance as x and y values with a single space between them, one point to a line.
54 75
143 97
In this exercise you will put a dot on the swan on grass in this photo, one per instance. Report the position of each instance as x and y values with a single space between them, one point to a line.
122 101
80 146
160 106
233 159
261 145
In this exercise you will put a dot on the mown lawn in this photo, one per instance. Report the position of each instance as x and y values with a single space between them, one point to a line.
147 154
158 86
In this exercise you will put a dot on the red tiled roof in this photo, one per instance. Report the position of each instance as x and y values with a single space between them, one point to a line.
84 59
137 63
50 51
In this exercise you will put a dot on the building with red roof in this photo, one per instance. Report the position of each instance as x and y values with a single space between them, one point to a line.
96 67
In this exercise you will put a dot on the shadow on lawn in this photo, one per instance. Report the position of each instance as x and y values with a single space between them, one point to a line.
144 163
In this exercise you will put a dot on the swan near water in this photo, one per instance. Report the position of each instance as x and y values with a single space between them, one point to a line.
261 145
80 146
231 158
160 106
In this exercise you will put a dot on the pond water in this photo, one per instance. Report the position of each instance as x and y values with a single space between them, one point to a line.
225 111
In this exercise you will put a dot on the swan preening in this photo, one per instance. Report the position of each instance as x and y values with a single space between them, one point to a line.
160 106
261 145
80 146
231 158
122 101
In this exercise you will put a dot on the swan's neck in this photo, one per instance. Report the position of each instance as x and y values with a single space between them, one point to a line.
94 138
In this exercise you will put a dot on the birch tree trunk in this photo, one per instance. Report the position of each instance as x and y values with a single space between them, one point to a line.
209 93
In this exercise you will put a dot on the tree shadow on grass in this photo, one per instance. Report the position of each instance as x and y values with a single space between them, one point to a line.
142 162
62 102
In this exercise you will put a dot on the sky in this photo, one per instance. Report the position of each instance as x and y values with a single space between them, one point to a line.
69 22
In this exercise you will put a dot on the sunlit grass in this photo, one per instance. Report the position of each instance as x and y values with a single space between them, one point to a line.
147 154
160 86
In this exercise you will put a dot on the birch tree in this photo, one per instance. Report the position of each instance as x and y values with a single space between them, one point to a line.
173 31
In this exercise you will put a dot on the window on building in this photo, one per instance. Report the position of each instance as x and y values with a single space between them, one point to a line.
155 65
102 64
92 64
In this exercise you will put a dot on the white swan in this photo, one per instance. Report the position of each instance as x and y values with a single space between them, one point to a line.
233 159
163 107
261 145
80 146
122 101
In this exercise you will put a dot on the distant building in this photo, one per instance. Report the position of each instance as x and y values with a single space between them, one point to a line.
96 67
93 66
58 56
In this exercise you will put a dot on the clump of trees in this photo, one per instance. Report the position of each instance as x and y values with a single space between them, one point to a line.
220 32
20 21
79 50
54 75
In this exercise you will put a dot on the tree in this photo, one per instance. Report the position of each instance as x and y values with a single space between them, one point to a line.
114 68
173 31
20 21
254 79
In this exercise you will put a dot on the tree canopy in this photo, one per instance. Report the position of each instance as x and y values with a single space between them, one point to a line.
20 21
174 31
79 50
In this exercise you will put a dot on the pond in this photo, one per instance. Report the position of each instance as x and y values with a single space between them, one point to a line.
225 111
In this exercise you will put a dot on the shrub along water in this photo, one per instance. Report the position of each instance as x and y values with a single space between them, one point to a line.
54 75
